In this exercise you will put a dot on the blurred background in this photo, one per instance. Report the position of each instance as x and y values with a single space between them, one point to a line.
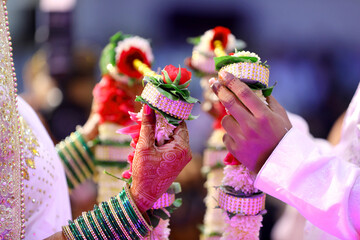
313 48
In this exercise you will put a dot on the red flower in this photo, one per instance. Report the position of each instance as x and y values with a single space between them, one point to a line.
231 160
173 72
221 34
125 63
113 103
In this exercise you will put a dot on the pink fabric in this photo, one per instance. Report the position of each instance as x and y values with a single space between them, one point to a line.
317 179
47 205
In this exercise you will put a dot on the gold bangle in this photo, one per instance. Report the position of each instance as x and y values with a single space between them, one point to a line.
67 233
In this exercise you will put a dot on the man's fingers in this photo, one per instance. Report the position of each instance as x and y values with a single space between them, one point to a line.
243 93
231 102
147 132
275 106
229 143
231 126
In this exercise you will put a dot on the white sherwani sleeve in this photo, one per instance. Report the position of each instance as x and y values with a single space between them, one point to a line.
307 174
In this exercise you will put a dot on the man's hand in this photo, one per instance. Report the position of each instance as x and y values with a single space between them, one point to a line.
253 128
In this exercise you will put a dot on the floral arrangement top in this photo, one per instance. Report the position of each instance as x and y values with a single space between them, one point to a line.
118 56
114 95
204 50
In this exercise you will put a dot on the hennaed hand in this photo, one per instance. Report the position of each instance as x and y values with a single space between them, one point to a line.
155 168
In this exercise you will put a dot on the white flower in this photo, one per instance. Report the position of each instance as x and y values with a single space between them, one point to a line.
162 231
240 178
204 45
242 227
215 139
163 129
136 42
247 54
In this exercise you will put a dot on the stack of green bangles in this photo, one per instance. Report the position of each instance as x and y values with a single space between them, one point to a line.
119 218
77 158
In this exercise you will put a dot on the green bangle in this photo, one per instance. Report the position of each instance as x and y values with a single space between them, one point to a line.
119 216
90 227
135 209
140 232
84 228
68 168
105 210
67 233
86 169
75 160
88 160
74 231
82 234
83 143
104 222
92 217
121 197
73 164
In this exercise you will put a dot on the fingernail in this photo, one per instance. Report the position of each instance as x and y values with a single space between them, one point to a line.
147 109
211 81
226 77
215 87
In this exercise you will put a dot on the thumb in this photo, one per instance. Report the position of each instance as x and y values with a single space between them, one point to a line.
147 131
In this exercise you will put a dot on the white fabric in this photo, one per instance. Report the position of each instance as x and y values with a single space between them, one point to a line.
47 205
321 182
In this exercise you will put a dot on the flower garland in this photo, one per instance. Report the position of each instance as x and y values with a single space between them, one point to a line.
242 203
114 97
202 64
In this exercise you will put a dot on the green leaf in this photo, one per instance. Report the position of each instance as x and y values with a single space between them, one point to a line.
167 78
192 117
154 220
178 77
177 203
174 188
190 99
194 40
226 60
267 91
230 215
161 214
117 37
185 85
167 94
170 119
107 57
